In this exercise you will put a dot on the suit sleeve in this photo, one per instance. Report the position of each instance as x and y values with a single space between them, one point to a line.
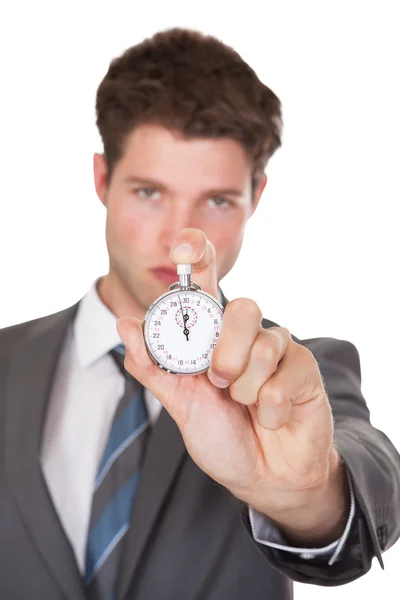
372 464
265 531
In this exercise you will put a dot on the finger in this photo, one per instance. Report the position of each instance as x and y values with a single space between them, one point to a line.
267 350
289 392
240 326
273 410
191 246
138 362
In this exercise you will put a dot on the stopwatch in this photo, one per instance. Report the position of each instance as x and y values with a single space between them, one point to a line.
181 328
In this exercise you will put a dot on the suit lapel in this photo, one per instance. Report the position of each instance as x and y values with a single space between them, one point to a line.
32 366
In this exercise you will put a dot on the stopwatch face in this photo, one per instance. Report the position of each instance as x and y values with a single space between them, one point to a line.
181 330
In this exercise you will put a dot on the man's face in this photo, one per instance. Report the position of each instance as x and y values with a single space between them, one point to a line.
161 185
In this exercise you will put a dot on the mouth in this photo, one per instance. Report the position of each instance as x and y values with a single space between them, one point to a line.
163 274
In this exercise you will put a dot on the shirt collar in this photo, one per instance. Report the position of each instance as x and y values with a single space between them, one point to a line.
94 327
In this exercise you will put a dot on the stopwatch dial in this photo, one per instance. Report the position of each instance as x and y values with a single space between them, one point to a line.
186 316
183 328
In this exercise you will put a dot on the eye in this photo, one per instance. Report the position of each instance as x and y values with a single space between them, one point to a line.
147 189
221 201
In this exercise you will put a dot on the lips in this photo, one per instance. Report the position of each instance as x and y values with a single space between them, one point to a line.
165 274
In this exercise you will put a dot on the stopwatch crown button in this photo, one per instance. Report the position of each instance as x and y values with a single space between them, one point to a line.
182 269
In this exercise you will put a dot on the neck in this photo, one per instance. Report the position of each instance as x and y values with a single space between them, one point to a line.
119 300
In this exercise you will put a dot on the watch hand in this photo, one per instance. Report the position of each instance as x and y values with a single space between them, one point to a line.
185 331
186 317
183 318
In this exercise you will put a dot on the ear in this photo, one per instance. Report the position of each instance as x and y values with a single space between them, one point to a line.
258 193
100 174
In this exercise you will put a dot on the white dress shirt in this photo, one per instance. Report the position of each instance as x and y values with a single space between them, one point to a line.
87 388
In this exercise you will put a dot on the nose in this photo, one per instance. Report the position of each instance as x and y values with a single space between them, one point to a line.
177 217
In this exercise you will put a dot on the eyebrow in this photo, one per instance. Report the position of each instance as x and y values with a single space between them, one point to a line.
158 184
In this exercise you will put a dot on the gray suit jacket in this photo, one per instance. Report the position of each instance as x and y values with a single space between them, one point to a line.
190 539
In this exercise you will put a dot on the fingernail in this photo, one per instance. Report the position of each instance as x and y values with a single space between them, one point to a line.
184 250
218 381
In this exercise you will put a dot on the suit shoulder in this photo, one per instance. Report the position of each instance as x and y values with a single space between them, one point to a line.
334 351
327 348
266 324
330 346
14 334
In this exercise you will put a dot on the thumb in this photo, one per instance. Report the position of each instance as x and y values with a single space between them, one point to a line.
138 362
163 385
191 246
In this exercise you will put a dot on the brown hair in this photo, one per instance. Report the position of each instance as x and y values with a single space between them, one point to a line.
192 84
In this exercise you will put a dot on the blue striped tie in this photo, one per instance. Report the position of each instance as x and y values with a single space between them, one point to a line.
115 487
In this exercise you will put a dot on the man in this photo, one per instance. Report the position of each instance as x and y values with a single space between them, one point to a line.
123 481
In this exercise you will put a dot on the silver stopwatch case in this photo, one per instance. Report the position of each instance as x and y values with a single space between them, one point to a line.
181 328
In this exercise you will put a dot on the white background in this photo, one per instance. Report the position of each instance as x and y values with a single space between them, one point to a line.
321 253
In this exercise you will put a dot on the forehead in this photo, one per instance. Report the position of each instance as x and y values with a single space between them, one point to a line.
155 150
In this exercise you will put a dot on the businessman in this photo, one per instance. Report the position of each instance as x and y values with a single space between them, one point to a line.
120 481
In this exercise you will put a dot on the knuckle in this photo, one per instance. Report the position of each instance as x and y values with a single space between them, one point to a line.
244 308
308 356
241 393
280 335
260 352
235 393
278 402
274 398
286 331
264 352
222 369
